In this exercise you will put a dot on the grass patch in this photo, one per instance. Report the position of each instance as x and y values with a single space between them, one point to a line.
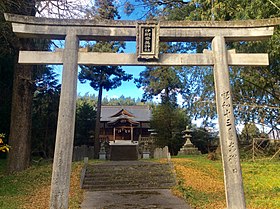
31 188
262 184
200 182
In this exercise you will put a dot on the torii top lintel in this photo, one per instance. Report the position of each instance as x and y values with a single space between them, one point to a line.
32 27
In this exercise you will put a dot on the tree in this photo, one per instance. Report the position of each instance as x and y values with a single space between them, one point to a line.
163 81
169 122
20 128
23 80
256 90
85 121
63 9
45 113
151 8
6 83
204 140
249 132
103 77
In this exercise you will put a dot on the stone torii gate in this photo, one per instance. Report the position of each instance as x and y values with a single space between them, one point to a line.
147 34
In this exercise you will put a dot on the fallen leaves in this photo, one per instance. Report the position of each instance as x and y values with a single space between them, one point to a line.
199 182
40 196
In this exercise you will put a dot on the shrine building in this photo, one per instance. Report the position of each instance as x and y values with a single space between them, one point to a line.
127 123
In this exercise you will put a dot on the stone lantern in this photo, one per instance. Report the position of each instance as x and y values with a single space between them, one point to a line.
188 148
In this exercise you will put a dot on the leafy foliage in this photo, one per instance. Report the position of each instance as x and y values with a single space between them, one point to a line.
163 81
85 121
122 101
256 90
249 132
103 77
204 140
3 147
45 113
106 9
169 122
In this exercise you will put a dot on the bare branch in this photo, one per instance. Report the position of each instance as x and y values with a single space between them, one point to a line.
64 8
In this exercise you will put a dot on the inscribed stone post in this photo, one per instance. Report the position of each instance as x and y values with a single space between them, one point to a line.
228 140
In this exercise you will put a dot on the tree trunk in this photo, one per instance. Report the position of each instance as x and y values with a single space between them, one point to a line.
97 124
20 129
165 98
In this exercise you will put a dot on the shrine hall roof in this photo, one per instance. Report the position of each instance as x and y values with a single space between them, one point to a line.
137 113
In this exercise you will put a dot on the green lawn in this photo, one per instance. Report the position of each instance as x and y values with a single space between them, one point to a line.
32 186
262 184
15 188
201 182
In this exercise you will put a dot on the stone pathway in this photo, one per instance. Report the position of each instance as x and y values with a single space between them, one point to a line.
130 185
133 199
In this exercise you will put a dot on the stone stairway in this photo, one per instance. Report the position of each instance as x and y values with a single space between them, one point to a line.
123 152
128 175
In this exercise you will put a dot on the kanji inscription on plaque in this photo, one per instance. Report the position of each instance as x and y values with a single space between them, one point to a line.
147 41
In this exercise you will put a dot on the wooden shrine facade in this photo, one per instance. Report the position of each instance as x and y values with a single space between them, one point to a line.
124 122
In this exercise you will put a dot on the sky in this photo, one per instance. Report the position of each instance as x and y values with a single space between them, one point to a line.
127 89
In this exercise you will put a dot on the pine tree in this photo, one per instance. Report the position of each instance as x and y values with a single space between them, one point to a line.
103 77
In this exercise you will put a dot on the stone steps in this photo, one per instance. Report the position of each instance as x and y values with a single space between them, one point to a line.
123 152
124 178
130 175
128 186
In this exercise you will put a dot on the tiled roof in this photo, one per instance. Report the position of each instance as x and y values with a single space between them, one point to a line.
122 119
140 112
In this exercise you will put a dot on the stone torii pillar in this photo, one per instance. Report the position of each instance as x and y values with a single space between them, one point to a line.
66 125
228 139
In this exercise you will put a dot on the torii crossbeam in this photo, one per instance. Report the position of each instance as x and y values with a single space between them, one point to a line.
180 31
